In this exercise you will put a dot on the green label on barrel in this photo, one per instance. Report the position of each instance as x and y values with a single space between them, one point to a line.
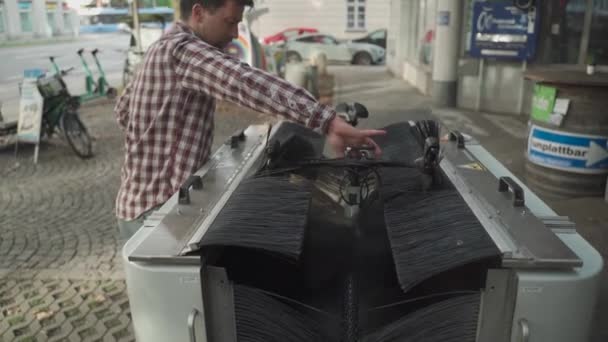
543 102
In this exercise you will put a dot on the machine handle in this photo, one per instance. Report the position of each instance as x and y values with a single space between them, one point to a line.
352 112
194 181
506 183
191 319
236 138
524 329
456 135
66 71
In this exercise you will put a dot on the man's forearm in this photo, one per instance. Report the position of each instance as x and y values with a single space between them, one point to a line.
210 71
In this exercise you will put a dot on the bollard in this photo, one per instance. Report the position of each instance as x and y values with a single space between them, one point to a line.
313 81
320 60
296 73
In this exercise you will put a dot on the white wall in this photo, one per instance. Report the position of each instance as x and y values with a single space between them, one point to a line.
395 45
328 16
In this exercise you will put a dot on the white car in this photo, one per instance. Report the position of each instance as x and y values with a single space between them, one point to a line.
305 47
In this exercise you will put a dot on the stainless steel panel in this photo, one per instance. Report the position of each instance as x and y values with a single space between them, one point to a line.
497 305
521 236
218 296
171 238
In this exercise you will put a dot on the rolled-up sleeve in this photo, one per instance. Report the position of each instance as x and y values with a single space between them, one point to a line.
203 68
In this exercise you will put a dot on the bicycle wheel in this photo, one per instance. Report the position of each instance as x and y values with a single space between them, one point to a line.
77 135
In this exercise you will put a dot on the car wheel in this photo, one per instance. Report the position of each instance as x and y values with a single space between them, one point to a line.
293 57
362 58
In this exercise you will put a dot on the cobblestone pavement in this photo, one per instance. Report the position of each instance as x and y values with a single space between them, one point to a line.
61 275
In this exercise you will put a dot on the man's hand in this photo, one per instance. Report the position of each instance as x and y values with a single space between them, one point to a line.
341 135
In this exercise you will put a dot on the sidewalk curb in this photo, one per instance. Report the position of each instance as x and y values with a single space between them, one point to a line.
33 42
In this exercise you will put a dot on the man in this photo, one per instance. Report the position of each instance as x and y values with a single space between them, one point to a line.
167 109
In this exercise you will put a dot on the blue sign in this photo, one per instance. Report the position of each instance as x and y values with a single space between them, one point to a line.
501 30
443 18
579 153
33 73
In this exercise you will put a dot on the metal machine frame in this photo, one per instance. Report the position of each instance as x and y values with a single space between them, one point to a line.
545 290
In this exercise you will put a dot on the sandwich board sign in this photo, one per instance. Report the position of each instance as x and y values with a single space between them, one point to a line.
30 110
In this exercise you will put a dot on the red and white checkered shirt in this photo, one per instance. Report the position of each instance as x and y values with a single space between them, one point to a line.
167 114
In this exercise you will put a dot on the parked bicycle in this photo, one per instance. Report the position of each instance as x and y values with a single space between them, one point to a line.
59 113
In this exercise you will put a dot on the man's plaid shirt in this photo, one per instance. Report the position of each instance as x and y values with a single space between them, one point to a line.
167 114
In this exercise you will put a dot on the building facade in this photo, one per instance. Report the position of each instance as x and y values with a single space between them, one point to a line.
342 19
32 19
568 32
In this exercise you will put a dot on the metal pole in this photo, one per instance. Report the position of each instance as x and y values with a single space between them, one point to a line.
36 153
586 33
480 83
16 152
135 5
524 67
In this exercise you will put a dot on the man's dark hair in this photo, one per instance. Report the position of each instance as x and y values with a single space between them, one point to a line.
185 6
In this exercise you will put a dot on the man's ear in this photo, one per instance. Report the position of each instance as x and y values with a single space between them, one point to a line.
198 12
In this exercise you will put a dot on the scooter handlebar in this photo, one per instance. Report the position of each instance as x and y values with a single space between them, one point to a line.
94 52
66 71
80 52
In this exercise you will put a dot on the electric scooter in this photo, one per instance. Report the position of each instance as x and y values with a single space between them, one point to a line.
102 83
95 89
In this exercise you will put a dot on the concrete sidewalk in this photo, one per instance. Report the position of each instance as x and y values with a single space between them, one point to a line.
389 100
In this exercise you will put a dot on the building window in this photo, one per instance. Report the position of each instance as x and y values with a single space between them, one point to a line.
25 16
67 22
598 37
26 21
568 32
50 18
355 14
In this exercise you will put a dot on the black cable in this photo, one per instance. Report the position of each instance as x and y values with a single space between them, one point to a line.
347 179
365 184
411 300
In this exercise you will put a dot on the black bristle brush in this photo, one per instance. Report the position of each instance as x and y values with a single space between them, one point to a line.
264 213
265 317
432 232
451 320
426 133
399 144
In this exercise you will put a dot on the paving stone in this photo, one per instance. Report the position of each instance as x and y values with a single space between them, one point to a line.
61 275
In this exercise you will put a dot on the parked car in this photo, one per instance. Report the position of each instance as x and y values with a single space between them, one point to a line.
287 34
377 37
305 47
